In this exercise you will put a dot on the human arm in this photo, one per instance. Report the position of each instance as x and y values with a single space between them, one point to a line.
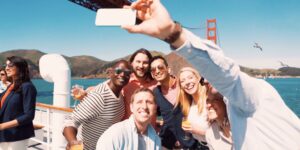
70 134
194 130
9 124
91 106
86 111
28 98
223 73
79 94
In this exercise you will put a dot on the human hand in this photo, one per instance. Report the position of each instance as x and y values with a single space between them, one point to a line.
75 145
211 113
193 130
187 129
156 19
78 92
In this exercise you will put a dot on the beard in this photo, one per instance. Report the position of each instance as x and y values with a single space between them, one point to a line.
139 74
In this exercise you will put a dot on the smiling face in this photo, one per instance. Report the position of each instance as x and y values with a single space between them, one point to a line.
215 105
120 74
140 65
159 70
143 107
11 69
189 82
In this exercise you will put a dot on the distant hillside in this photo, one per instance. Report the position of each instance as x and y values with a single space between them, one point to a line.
80 65
32 57
176 62
101 72
85 65
289 71
91 67
260 72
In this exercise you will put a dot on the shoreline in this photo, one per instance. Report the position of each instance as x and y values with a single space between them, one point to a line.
276 77
259 77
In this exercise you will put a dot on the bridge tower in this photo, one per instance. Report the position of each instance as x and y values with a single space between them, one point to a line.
211 30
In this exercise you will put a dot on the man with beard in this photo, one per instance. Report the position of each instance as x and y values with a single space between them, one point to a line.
100 108
258 116
140 77
171 133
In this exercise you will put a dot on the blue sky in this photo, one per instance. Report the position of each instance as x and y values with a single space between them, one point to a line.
59 26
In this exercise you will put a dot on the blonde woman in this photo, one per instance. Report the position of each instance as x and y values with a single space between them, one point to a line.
192 99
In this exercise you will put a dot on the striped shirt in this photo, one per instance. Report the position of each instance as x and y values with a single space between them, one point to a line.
97 112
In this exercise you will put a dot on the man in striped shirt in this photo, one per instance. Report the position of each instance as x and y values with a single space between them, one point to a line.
100 109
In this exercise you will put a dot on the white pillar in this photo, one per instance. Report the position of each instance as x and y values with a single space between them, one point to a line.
54 68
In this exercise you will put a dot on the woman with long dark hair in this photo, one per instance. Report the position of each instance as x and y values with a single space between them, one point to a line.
17 106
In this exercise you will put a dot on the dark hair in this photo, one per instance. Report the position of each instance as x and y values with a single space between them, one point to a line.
148 54
159 57
142 89
22 71
3 69
143 51
7 78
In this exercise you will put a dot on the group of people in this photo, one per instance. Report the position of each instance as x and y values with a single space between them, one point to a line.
223 108
17 107
134 93
232 111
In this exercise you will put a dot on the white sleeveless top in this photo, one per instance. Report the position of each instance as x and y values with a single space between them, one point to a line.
198 120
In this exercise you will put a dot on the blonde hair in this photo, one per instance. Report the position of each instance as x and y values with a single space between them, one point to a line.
185 100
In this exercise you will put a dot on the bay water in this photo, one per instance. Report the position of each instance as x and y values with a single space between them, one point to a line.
288 88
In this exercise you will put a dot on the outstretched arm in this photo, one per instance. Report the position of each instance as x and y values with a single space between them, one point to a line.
223 73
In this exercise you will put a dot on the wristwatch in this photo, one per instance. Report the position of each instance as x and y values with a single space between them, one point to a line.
175 34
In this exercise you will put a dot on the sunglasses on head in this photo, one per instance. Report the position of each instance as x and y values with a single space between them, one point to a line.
159 67
120 70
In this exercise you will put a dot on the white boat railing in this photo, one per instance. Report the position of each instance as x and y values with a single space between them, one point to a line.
43 125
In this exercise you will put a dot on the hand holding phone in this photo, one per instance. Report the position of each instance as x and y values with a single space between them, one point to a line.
115 17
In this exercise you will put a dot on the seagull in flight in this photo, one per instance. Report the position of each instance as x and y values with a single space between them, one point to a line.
283 64
258 46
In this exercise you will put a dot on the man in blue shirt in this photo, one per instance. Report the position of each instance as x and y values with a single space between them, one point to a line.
258 116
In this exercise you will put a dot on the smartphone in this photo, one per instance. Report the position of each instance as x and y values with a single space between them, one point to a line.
115 17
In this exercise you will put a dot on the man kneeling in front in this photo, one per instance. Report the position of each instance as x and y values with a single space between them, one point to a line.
135 132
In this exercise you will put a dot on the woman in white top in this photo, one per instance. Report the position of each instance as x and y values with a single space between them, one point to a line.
218 135
4 83
192 98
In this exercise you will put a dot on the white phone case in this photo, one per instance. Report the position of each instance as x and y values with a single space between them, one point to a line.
115 17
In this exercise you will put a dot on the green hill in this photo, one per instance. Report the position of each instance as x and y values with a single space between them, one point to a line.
92 67
80 65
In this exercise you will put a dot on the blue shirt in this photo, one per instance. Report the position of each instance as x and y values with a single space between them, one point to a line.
171 130
258 116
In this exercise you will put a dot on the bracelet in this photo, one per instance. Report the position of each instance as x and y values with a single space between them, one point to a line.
175 34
